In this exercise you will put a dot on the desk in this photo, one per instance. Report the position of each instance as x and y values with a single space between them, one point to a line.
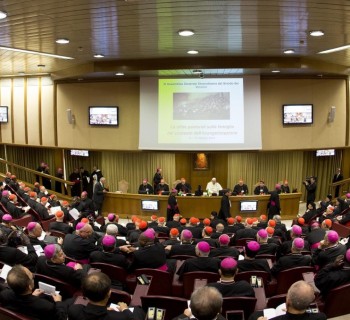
128 204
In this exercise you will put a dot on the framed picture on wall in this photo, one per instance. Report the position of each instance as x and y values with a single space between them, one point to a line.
201 161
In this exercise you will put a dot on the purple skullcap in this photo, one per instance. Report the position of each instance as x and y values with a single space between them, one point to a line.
262 233
297 230
278 186
315 225
174 191
7 217
71 264
348 195
253 245
50 250
224 239
108 241
332 236
203 246
31 226
228 263
298 243
111 216
149 233
187 234
79 225
347 255
5 193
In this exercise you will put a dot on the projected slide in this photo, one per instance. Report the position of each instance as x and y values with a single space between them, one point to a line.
197 110
197 114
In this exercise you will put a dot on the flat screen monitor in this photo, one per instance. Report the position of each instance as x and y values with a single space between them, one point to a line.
249 206
104 116
79 153
325 153
293 114
3 114
150 205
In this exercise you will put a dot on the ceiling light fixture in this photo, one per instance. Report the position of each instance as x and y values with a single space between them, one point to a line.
185 33
196 71
275 71
289 51
335 49
62 41
3 15
36 52
192 52
316 33
99 55
119 74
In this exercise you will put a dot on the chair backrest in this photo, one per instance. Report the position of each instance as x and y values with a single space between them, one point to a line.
190 277
173 306
66 289
246 304
23 222
175 183
247 274
243 241
272 257
119 296
337 301
114 272
182 257
161 281
342 230
123 186
287 277
6 314
56 233
275 301
45 223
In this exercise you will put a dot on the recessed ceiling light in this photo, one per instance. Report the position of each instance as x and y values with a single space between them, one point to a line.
99 56
185 33
316 33
21 73
36 52
197 71
289 51
335 49
275 71
3 15
192 52
119 74
62 41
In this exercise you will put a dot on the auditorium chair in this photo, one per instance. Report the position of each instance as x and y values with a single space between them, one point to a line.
246 304
337 301
272 257
173 306
287 277
182 257
189 279
46 223
23 222
119 296
276 300
247 274
6 314
243 241
123 186
161 281
56 233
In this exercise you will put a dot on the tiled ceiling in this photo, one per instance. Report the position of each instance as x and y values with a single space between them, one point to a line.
140 37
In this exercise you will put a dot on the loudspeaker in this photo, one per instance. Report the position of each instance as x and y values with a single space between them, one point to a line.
331 114
69 116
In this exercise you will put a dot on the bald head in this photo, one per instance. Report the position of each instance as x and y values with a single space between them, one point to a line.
86 231
112 229
206 303
299 297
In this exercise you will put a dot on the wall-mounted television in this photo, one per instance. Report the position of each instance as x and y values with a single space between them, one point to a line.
297 114
79 153
4 114
249 206
104 116
325 153
150 205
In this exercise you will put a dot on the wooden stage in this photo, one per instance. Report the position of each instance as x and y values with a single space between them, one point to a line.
128 204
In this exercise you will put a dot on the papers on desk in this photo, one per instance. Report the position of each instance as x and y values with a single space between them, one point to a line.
96 224
272 313
38 250
42 236
23 249
115 307
240 257
4 271
53 210
74 213
48 288
121 238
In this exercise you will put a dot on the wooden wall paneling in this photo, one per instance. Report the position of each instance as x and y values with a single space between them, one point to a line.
18 108
183 164
32 116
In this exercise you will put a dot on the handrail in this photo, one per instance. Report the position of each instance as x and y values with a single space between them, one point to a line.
40 174
339 182
339 185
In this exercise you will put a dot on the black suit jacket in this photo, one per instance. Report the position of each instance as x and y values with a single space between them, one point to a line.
15 212
225 207
78 248
98 195
89 312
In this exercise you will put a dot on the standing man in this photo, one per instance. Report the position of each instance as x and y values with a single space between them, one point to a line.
58 185
75 177
157 178
99 194
84 178
311 187
337 177
225 207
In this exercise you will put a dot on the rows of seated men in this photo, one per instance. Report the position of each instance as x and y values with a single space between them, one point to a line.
142 248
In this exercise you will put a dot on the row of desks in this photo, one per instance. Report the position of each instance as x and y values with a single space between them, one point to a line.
128 204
